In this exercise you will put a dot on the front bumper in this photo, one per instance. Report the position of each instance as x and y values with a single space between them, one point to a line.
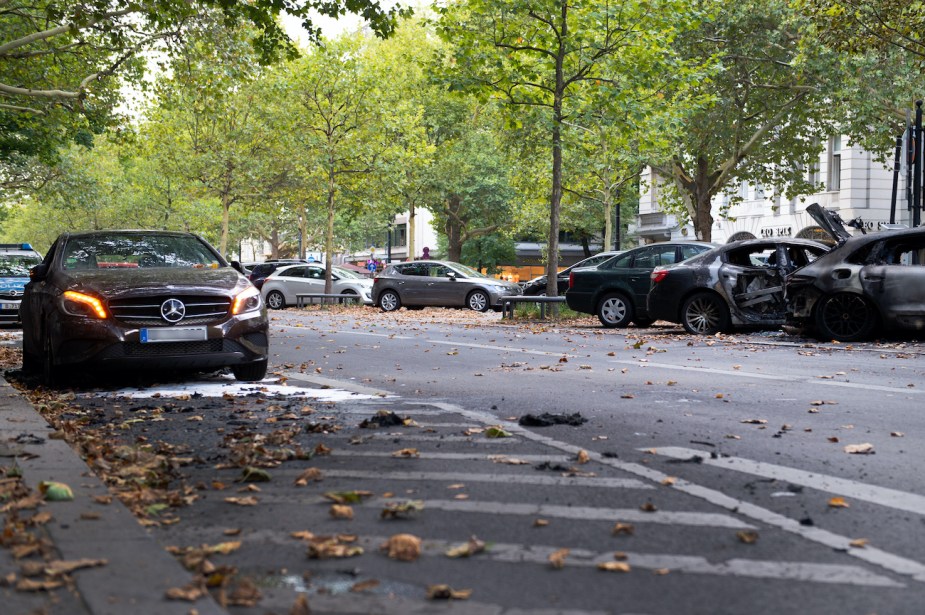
82 341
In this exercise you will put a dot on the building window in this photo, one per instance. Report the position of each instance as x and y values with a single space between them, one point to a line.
400 235
835 164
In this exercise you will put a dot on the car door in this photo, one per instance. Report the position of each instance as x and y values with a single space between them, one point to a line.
411 283
894 279
314 279
644 261
291 281
442 289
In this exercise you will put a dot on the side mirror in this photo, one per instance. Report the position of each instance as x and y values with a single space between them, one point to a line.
238 267
38 273
451 275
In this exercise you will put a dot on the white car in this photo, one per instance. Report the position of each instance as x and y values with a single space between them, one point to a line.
281 287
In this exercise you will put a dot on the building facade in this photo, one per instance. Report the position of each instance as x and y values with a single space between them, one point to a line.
854 183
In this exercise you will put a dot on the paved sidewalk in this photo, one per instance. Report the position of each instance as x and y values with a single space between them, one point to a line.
138 571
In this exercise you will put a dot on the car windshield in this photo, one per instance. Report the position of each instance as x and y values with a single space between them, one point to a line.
18 264
469 272
346 273
137 250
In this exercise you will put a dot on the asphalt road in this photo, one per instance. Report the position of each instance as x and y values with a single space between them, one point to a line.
716 469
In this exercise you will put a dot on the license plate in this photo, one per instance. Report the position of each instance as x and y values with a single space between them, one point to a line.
173 334
9 306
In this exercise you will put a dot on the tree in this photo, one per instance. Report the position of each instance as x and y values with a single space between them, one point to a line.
335 125
541 54
62 61
759 117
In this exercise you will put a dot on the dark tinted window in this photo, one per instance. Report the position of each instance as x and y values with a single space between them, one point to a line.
620 262
292 272
689 251
649 258
133 251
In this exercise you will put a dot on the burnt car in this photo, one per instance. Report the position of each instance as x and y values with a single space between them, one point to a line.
866 285
616 289
739 284
537 286
131 299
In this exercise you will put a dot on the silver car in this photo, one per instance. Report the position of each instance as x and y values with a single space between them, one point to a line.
418 284
282 286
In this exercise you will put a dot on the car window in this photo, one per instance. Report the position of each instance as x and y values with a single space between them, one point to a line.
651 258
316 273
414 269
691 251
753 256
18 264
293 272
620 262
800 256
908 251
137 250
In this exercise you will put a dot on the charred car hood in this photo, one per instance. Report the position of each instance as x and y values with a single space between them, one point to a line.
114 283
830 222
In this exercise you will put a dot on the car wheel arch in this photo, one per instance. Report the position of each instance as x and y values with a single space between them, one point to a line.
699 290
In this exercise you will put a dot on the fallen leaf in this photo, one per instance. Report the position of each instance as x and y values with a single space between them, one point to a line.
648 507
496 431
838 503
473 546
557 558
307 476
245 501
755 421
403 547
254 475
445 592
394 510
614 566
897 434
348 497
190 593
661 571
669 481
246 593
300 606
362 586
406 453
508 460
29 585
329 547
623 528
54 491
860 449
859 543
341 511
583 456
749 537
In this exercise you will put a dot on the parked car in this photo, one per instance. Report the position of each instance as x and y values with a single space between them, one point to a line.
152 299
616 289
737 284
282 286
260 271
440 284
864 285
537 286
16 259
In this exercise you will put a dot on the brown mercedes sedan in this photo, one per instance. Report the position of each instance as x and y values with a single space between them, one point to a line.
152 299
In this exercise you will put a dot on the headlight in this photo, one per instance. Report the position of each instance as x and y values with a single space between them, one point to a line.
79 304
247 301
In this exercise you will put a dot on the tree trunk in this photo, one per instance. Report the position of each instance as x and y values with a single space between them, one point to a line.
274 242
226 206
555 198
608 215
410 232
303 231
329 232
453 229
697 193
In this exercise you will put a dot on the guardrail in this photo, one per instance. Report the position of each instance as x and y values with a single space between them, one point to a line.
303 299
508 304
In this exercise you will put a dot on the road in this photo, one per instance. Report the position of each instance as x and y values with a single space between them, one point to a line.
716 469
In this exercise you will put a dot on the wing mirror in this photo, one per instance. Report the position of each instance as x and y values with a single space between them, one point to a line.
38 273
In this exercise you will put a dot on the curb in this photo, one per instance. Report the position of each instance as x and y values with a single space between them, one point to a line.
139 571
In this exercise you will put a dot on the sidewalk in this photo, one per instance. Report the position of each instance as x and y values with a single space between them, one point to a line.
138 571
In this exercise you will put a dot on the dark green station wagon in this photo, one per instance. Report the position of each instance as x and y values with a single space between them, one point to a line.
616 289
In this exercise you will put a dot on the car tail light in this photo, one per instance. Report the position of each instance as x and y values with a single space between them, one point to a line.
571 279
658 275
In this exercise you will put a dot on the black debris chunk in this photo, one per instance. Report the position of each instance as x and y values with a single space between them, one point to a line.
694 459
806 521
552 467
609 455
381 419
546 419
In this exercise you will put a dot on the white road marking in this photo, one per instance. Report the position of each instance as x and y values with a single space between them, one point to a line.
740 374
338 384
507 478
479 439
872 555
892 498
458 456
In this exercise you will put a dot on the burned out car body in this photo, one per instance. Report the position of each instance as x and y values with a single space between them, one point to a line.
141 299
739 284
866 284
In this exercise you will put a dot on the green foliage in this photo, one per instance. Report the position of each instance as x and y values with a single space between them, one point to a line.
489 252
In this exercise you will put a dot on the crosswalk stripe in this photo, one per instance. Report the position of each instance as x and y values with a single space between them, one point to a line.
506 478
459 456
892 498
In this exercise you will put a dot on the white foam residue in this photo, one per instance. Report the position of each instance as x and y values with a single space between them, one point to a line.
217 388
